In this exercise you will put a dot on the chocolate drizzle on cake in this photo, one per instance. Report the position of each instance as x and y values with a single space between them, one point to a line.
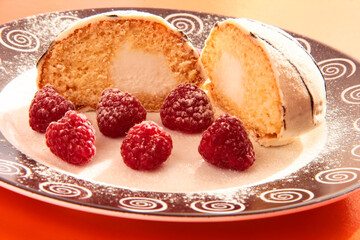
284 113
288 36
184 36
112 16
45 53
298 72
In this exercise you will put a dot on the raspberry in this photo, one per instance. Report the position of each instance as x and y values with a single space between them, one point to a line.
146 146
72 138
117 112
188 109
47 106
226 144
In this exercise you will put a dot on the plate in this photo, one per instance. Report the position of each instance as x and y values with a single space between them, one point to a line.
321 167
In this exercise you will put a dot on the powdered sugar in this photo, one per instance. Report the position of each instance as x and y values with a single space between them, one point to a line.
117 112
185 170
187 108
146 146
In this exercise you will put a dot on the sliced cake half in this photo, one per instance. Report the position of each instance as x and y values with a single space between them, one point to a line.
265 77
133 51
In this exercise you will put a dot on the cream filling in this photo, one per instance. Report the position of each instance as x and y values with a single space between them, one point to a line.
136 71
229 73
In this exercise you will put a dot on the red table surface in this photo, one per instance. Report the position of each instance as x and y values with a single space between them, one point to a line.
26 218
22 217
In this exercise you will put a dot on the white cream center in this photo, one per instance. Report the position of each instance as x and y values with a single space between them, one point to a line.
136 71
228 76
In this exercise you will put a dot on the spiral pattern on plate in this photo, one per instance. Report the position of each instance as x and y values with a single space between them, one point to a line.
142 204
19 40
351 95
335 68
187 23
338 175
217 207
287 195
357 124
356 152
12 168
62 22
65 190
304 43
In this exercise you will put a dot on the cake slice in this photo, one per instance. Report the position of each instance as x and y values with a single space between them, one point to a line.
136 52
265 77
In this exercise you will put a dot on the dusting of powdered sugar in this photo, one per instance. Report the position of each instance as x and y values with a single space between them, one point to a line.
25 40
184 171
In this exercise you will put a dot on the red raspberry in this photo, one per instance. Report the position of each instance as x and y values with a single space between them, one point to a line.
72 138
226 144
47 106
117 112
146 146
188 109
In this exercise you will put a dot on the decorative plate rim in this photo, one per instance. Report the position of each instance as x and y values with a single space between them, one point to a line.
196 206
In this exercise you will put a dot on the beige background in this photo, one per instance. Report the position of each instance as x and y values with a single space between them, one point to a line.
333 22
